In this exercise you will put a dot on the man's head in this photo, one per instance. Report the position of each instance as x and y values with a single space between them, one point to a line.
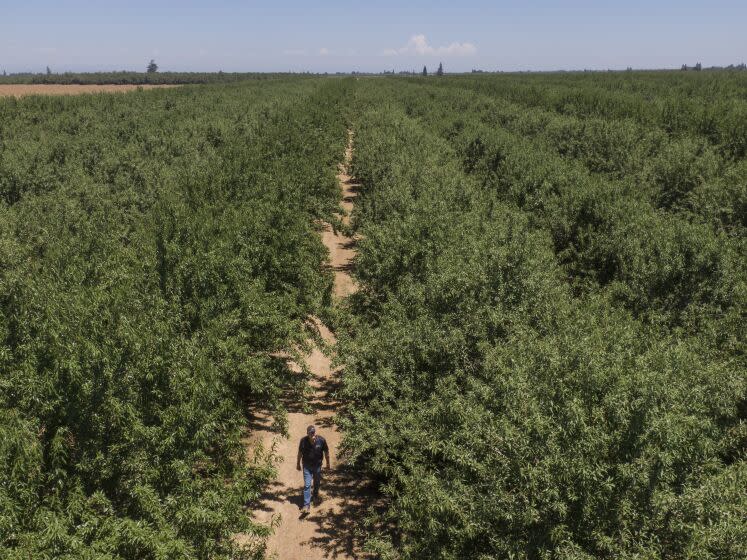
311 432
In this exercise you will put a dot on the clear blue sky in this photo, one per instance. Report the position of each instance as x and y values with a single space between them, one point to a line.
244 35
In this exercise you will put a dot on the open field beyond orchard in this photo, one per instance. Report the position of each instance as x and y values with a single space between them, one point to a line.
20 90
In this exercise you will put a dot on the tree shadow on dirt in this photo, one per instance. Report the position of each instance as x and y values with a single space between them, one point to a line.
261 411
276 493
352 186
341 532
321 401
273 492
348 267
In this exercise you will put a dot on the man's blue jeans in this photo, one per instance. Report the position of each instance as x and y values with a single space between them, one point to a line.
309 474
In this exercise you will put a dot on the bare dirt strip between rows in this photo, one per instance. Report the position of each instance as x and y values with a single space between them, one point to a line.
332 528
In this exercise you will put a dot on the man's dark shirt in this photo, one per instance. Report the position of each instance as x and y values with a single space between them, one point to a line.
312 453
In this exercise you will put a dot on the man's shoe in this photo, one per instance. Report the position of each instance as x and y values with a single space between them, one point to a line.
305 511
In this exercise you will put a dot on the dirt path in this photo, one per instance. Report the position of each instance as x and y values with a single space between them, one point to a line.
330 531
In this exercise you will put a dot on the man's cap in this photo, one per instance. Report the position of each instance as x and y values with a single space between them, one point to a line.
311 430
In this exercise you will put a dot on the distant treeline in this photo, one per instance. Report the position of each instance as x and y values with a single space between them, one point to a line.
143 78
138 78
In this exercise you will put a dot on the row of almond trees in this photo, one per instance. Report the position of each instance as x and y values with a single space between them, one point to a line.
157 249
712 106
543 361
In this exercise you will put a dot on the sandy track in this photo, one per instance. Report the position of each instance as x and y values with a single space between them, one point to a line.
21 90
332 530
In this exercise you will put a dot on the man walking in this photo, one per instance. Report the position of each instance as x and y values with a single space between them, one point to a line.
310 450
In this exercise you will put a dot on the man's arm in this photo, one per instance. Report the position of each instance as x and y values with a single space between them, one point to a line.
298 458
326 453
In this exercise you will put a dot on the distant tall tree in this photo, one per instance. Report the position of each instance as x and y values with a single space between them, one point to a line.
425 71
684 67
698 67
152 67
440 71
49 71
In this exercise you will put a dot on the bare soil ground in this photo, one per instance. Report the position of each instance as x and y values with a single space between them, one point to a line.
334 528
21 90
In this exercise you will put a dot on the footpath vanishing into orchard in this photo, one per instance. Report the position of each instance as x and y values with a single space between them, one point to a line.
332 528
